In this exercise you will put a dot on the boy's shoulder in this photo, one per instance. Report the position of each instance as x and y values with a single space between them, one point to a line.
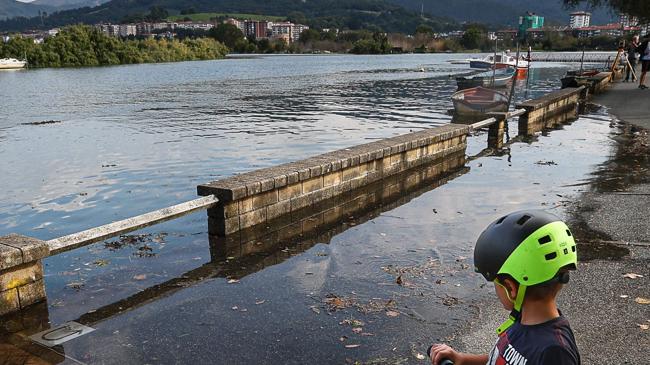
551 342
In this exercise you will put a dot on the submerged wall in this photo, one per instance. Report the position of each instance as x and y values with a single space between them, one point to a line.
259 196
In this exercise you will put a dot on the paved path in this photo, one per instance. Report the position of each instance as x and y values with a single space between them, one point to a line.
610 221
628 102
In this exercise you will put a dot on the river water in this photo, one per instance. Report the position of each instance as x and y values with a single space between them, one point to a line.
130 139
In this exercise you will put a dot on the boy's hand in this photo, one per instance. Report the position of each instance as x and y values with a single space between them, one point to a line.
441 351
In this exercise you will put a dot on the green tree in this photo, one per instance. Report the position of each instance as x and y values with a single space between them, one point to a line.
424 29
297 17
227 34
157 13
472 38
309 35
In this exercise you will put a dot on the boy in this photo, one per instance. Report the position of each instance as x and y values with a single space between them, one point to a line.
527 255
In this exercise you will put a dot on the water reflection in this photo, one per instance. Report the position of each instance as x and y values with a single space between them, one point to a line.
248 252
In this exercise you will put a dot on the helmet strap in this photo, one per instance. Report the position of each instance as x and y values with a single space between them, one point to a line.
515 314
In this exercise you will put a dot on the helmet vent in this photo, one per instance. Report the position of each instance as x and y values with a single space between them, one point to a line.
502 219
573 248
545 239
523 220
566 251
568 233
550 256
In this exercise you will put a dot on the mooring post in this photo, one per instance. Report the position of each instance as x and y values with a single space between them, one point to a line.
21 272
496 132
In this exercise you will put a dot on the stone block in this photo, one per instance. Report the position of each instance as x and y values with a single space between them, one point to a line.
316 171
222 227
278 209
331 179
412 155
350 173
279 181
30 249
245 205
21 275
267 184
289 192
265 199
311 185
300 202
31 293
293 178
10 257
9 301
253 188
252 218
304 174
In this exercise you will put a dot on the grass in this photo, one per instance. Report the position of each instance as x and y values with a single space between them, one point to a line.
202 17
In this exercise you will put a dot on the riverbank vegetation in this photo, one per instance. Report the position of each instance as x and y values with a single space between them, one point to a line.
81 45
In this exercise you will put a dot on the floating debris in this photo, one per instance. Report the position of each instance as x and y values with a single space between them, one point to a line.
43 122
545 163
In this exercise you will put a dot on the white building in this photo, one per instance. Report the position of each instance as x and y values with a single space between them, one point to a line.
127 30
580 19
628 21
297 30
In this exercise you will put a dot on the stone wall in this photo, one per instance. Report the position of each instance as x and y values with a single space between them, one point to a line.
21 272
550 110
260 196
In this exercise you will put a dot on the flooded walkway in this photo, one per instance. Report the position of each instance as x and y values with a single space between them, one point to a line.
375 287
383 287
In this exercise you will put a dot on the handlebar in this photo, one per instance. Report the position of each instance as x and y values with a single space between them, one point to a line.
443 361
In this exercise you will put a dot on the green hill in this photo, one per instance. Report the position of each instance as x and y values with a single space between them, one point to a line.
343 14
500 12
13 8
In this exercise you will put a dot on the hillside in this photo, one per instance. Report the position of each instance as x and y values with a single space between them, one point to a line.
499 12
345 14
13 8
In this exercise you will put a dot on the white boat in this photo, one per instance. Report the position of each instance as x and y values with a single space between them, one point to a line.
502 60
11 63
465 61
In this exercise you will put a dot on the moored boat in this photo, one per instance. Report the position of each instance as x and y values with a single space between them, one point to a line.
11 63
502 60
497 78
577 78
479 101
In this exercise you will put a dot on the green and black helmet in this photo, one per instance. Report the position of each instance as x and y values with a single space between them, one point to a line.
531 246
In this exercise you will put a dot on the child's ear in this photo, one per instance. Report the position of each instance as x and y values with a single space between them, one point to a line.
512 287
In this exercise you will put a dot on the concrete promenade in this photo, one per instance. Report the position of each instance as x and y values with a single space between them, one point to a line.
629 103
610 221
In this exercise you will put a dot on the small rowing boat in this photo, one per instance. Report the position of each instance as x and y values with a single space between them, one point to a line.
496 78
479 101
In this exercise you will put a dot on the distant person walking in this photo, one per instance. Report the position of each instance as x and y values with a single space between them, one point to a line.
644 51
631 57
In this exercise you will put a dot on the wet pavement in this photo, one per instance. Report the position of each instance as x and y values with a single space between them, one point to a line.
607 298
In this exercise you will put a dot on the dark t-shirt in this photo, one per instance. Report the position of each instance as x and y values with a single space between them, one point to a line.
549 343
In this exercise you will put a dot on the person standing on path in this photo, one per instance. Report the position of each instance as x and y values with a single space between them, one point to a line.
644 51
631 57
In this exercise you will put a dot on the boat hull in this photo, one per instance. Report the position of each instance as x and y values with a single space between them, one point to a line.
12 64
479 101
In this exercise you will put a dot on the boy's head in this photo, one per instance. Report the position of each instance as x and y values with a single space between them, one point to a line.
526 254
